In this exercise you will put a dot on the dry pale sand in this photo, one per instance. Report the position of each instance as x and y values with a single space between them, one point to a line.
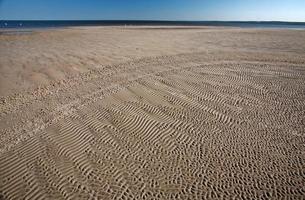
152 113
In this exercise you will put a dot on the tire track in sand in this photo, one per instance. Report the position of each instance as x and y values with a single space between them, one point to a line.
187 131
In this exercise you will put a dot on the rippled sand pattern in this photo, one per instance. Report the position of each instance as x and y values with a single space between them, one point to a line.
152 113
188 131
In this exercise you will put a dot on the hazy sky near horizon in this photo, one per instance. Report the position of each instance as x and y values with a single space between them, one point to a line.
228 10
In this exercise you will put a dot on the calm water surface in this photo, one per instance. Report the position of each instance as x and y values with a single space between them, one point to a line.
58 24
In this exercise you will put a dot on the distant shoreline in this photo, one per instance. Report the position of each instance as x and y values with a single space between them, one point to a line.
13 24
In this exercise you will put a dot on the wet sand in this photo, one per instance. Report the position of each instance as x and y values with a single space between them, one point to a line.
152 113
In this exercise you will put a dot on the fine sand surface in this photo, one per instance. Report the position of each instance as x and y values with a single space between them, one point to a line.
152 113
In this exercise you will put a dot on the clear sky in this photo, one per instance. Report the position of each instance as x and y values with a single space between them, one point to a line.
227 10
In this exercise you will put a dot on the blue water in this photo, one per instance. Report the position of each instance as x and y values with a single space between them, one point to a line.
57 24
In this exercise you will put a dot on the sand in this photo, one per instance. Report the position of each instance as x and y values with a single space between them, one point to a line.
152 113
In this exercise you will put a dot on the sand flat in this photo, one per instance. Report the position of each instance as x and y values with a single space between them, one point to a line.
152 113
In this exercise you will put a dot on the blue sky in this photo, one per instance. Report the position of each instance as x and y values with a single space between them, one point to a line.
257 10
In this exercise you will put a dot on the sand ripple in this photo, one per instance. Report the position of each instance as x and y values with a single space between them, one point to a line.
171 128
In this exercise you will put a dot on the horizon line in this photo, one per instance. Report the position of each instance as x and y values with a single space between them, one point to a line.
148 20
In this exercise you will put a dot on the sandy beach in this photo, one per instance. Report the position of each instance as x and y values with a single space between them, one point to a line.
152 113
